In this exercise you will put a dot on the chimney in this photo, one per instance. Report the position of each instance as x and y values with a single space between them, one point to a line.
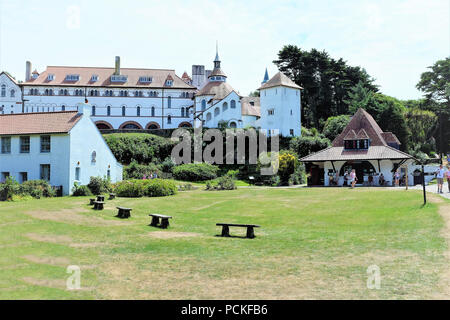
27 71
84 109
117 70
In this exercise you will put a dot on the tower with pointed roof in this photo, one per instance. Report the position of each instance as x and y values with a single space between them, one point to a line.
280 105
217 74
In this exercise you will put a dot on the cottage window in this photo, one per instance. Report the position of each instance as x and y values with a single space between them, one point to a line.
169 102
94 156
153 111
232 104
23 177
138 111
77 173
45 144
203 105
6 145
108 110
3 90
45 172
25 144
13 93
169 119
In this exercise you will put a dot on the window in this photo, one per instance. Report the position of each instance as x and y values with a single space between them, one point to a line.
153 111
50 77
169 102
25 144
94 78
93 110
208 116
108 174
45 172
123 111
169 119
357 144
224 106
232 104
291 112
169 83
182 111
77 173
72 77
93 156
138 111
13 93
108 110
3 90
270 112
45 144
291 131
6 145
203 105
23 176
119 78
63 108
233 124
216 111
5 175
145 79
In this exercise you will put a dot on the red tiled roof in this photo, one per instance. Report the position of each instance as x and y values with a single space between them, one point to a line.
280 79
38 123
247 109
159 77
389 137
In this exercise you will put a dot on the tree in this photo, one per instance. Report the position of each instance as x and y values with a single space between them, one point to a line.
335 125
423 124
306 145
436 87
325 81
254 94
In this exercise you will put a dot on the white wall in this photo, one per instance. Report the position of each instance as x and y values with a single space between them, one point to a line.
84 140
229 114
286 105
10 104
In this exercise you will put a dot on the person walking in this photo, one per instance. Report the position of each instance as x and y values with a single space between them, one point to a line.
448 177
440 178
353 178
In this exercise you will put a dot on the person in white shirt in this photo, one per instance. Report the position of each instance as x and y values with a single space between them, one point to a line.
440 178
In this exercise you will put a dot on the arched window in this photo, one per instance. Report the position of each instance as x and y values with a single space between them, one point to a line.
232 124
46 92
216 111
169 119
13 93
93 110
3 90
224 106
138 111
61 92
66 92
153 111
182 111
93 156
233 104
108 110
203 105
123 111
50 92
63 108
208 116
169 102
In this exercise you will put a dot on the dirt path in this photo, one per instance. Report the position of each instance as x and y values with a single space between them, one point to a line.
444 211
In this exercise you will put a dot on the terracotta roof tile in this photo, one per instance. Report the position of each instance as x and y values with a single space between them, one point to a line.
247 109
159 77
217 89
38 123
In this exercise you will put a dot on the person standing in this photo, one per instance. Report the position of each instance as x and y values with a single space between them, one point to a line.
440 178
448 177
353 178
397 178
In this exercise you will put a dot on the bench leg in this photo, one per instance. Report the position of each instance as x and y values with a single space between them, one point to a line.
95 206
100 207
225 231
164 223
250 233
126 214
155 222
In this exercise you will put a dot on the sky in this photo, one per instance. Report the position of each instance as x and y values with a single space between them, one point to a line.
395 41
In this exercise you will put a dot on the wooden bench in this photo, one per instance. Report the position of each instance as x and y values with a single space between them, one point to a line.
226 229
91 201
164 220
101 198
123 213
98 205
112 196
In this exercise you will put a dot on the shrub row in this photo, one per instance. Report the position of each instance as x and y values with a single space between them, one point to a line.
32 188
195 172
151 188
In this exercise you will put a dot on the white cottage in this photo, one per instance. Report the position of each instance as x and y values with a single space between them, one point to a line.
362 146
60 147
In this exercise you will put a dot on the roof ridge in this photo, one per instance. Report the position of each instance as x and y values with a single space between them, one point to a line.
46 112
121 68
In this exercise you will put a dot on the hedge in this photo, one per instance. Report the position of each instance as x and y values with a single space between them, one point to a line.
195 172
151 188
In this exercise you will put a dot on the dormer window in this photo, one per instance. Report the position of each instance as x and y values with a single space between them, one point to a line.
72 77
50 77
119 78
169 83
360 144
145 79
94 78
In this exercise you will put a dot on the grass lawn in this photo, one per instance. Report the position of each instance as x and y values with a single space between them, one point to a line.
314 244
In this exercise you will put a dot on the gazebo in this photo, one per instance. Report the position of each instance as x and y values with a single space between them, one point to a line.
362 146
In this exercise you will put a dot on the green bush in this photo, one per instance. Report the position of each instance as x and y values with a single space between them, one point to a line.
140 171
222 183
195 172
306 145
160 188
99 185
80 191
151 188
9 188
142 148
37 189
